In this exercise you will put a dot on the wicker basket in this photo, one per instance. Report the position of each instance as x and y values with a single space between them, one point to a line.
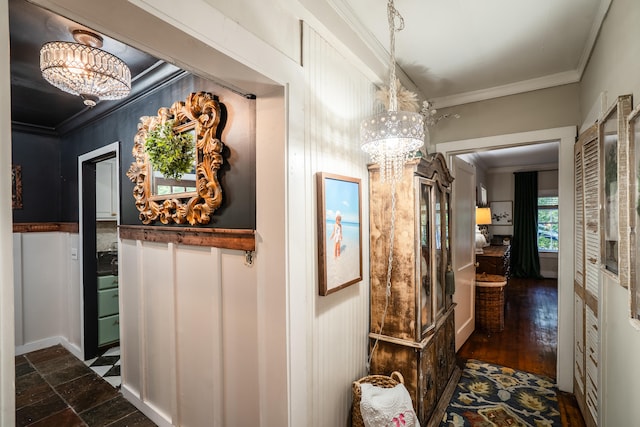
377 380
490 303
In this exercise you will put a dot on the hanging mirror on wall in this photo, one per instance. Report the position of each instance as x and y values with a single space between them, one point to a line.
609 150
614 197
178 154
634 220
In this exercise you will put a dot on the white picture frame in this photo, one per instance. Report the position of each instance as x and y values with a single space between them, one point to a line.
502 213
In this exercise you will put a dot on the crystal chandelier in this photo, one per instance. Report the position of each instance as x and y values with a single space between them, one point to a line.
84 69
392 137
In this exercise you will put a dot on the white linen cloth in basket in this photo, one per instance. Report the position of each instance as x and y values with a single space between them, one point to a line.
387 407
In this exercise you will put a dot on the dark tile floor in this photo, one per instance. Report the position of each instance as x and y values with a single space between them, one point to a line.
54 388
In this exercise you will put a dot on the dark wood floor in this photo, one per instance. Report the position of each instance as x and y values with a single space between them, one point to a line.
529 339
54 388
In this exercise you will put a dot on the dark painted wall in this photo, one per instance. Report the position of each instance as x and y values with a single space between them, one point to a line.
39 157
237 177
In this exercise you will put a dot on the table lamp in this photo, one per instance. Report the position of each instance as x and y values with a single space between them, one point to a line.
483 218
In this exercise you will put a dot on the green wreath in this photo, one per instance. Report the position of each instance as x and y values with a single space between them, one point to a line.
170 153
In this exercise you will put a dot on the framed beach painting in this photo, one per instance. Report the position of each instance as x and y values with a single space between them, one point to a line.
339 232
502 213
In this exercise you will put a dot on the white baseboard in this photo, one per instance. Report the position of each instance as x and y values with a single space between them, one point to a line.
549 274
49 342
73 349
38 345
153 413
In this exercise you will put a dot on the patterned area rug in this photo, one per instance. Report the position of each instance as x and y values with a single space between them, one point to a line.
495 396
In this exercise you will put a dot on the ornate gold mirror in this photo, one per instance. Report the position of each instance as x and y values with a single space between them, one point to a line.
177 157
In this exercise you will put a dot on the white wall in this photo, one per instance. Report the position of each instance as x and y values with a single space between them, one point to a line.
47 294
613 70
337 99
7 360
279 30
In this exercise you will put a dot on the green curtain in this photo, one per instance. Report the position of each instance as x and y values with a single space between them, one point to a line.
524 251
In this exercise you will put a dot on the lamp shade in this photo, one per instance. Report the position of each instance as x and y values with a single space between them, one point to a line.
483 216
391 138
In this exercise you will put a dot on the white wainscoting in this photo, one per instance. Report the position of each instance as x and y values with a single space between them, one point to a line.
47 294
189 322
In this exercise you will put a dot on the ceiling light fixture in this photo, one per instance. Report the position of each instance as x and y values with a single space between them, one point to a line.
84 69
392 137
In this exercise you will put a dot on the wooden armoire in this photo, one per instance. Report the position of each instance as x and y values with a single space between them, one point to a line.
418 335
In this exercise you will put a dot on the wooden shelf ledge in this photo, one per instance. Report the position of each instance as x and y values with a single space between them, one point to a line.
45 227
225 238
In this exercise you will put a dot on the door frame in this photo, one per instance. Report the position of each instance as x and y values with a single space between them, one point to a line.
566 136
108 151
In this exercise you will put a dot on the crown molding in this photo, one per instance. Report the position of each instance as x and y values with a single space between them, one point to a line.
538 83
593 35
526 168
381 53
344 10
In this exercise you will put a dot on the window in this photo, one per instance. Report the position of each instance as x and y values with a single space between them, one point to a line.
548 224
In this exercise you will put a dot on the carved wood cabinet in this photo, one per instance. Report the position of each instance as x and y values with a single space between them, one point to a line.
418 334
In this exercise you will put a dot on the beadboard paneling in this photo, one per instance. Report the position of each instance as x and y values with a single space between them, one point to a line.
338 97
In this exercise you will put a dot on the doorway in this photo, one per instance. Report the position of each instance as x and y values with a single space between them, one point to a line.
566 138
99 219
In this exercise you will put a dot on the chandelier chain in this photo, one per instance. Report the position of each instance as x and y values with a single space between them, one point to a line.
392 137
392 15
392 232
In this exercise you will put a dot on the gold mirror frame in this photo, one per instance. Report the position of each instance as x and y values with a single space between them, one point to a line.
202 110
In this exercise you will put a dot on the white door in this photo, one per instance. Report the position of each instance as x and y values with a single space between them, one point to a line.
106 190
464 258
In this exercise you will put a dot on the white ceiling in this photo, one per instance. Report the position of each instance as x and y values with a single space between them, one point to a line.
459 51
526 157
